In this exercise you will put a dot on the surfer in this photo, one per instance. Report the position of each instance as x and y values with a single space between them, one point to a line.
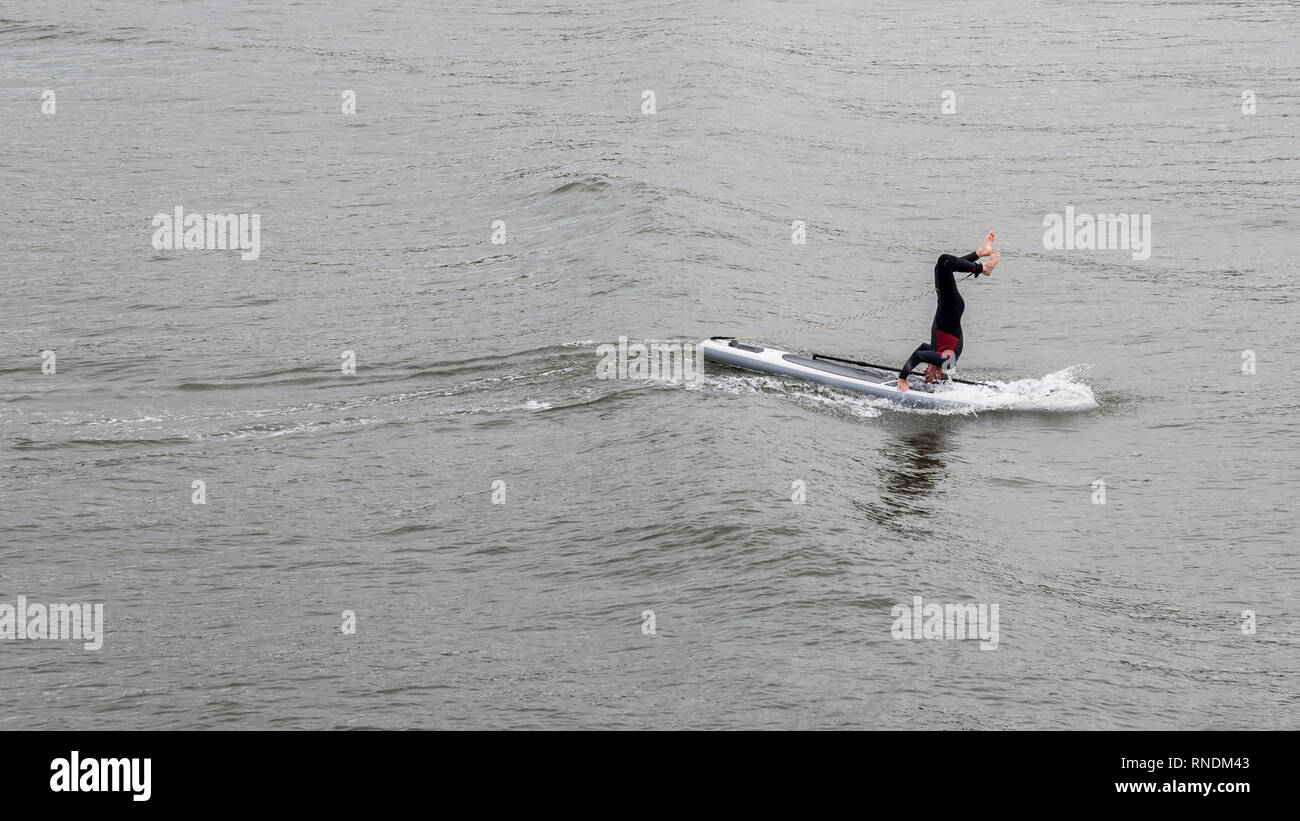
945 332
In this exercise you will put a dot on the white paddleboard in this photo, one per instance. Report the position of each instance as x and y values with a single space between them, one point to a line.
859 377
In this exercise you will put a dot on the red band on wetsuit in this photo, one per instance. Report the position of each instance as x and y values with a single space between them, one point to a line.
947 343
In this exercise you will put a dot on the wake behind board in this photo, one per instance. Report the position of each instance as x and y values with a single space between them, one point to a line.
860 377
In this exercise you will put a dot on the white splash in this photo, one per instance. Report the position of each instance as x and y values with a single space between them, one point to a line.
1062 391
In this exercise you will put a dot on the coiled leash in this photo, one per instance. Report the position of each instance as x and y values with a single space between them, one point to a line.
852 317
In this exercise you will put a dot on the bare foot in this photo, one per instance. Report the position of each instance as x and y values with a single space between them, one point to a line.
987 248
991 263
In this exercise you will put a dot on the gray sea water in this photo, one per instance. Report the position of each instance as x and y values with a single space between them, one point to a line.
895 131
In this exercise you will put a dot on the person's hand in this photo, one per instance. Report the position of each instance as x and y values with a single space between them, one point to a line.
902 386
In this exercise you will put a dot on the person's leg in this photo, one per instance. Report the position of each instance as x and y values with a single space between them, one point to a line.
949 264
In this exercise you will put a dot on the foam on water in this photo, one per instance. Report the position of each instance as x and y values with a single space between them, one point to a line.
1061 391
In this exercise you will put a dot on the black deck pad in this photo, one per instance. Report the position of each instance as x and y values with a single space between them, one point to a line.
868 374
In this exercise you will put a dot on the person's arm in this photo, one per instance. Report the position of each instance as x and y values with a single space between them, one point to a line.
923 354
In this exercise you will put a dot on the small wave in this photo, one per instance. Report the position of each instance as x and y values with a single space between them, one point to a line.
808 394
586 184
23 443
532 405
272 430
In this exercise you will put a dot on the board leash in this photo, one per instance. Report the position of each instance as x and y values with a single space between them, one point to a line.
812 326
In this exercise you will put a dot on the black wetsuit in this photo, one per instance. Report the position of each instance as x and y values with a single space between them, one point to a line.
945 331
